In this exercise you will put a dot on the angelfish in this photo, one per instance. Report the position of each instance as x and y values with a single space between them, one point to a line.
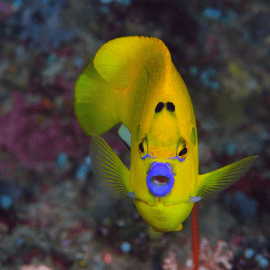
133 81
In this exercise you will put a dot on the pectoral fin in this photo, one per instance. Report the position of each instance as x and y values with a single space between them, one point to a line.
108 168
214 182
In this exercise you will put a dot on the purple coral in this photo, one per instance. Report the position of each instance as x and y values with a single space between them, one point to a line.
33 143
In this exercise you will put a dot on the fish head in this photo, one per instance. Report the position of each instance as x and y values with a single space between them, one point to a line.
165 171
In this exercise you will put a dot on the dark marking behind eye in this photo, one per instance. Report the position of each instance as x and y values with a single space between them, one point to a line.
183 151
159 107
141 147
170 106
193 137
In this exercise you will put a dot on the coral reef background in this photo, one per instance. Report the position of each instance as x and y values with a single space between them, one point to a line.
53 215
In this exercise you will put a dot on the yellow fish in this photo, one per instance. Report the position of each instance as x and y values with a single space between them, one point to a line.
133 81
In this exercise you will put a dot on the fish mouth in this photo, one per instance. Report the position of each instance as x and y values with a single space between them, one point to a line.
160 178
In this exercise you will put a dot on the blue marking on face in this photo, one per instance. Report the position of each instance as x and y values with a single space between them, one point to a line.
160 178
176 157
146 156
180 159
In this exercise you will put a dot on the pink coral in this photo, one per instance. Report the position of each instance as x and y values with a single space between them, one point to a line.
33 267
170 262
210 258
5 10
108 257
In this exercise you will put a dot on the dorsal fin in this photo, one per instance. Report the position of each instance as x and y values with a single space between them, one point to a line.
95 106
120 61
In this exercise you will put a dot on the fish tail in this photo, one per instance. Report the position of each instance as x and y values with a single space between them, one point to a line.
96 102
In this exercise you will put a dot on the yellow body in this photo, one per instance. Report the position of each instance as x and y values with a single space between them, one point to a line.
127 79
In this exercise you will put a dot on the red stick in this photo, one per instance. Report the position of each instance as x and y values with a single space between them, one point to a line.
195 236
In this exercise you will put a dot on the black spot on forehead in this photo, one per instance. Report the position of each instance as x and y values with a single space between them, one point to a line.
159 107
170 106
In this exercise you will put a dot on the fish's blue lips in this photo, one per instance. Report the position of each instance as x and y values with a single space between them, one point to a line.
160 179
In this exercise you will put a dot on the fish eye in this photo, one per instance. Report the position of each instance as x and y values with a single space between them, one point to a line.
182 150
143 148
